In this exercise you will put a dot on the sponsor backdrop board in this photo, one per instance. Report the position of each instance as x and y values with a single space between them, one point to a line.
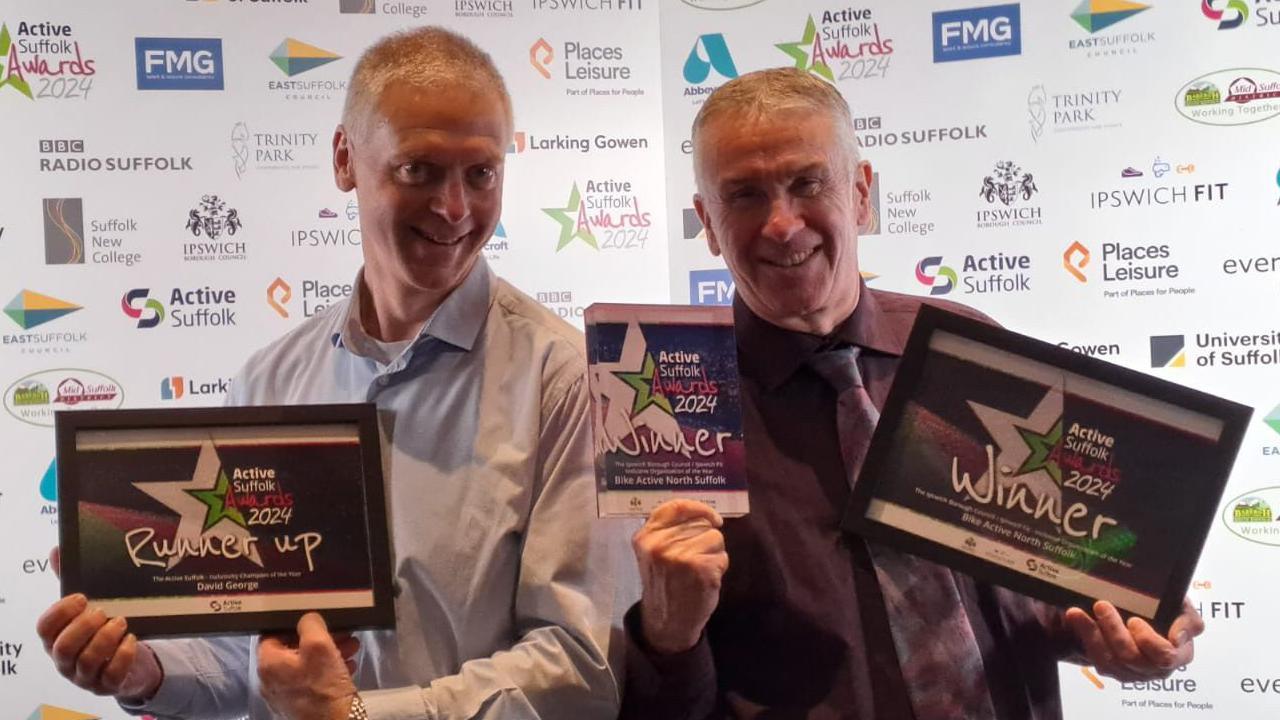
1100 174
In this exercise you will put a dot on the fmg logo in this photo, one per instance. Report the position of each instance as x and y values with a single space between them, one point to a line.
710 287
974 33
178 63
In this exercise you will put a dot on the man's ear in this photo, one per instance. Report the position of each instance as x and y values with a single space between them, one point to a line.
344 168
862 192
701 209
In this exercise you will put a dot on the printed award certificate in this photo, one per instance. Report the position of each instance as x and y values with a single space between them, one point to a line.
665 413
219 520
1057 475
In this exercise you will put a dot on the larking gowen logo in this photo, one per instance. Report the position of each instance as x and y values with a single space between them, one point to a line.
33 398
1238 96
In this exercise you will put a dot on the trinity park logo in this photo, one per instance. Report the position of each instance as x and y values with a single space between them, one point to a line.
846 44
606 217
44 61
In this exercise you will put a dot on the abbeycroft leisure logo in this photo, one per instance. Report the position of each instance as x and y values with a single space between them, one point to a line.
708 64
607 216
973 33
178 63
1239 96
847 44
44 61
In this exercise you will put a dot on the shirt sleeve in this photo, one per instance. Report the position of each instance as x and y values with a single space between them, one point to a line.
204 679
671 687
571 580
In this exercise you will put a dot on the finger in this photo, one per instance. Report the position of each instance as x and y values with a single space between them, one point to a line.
98 651
675 512
1090 636
55 560
699 535
58 616
314 639
1118 637
77 634
1163 656
118 666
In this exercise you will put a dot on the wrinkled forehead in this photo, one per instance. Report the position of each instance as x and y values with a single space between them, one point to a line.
732 147
444 106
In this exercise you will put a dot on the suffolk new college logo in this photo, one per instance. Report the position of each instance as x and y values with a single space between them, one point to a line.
178 63
974 33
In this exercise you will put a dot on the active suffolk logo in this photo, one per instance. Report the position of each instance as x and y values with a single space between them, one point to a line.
295 57
931 273
138 305
30 309
1168 351
1228 14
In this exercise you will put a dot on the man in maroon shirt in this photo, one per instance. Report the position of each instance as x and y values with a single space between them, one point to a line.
801 626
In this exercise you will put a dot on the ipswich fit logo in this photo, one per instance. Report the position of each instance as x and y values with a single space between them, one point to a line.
1229 14
146 310
31 309
178 63
709 52
974 33
1168 351
939 283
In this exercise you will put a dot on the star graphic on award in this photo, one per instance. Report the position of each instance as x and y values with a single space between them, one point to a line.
573 222
201 505
625 395
1025 446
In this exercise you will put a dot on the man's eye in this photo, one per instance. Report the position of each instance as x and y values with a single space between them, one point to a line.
742 194
483 176
411 173
808 187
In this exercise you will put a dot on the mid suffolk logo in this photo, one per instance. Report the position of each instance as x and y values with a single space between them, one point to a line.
178 63
1168 351
1253 516
974 33
30 399
709 53
1252 95
1098 18
847 44
44 61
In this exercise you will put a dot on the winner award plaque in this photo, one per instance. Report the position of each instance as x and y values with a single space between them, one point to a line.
665 413
1057 475
222 520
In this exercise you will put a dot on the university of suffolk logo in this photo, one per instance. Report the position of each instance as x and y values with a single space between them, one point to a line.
212 218
1007 184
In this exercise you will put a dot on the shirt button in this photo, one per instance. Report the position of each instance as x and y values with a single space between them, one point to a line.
383 380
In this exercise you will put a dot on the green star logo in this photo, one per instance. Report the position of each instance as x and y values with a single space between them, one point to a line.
216 502
800 52
573 221
1042 447
12 71
643 383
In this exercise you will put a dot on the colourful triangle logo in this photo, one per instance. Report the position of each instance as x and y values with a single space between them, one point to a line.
294 57
1273 419
1095 15
30 309
49 712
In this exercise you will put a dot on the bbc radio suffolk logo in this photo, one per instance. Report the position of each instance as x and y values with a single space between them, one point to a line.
973 33
178 63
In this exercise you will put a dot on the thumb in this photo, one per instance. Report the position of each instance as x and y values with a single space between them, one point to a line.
55 560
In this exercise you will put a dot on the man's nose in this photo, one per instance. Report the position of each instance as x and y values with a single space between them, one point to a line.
783 221
450 201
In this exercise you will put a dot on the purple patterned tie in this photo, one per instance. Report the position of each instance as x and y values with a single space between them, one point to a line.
939 655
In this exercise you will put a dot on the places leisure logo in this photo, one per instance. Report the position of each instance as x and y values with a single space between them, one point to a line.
43 60
607 216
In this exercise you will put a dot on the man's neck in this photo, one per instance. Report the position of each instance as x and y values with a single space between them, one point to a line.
391 312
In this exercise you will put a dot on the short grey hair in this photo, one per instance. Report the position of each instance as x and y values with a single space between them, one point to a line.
764 92
426 57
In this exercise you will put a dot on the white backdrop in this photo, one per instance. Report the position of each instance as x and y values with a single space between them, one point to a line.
1143 149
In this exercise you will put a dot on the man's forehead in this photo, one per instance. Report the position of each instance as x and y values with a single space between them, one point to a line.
452 108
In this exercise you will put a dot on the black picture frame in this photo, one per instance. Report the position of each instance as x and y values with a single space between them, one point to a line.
362 417
1200 499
